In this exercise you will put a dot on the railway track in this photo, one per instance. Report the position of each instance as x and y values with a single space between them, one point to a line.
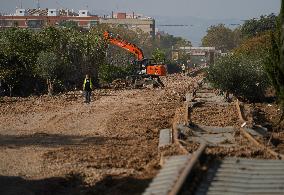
176 170
183 175
200 173
243 176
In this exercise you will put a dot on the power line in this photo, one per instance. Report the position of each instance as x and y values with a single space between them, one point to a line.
174 25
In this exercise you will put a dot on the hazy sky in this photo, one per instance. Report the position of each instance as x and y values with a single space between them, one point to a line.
197 14
210 9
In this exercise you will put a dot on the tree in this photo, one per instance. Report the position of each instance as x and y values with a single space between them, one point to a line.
256 26
243 72
18 48
69 24
184 57
48 68
220 37
275 60
255 46
11 70
65 54
158 55
94 53
241 75
166 42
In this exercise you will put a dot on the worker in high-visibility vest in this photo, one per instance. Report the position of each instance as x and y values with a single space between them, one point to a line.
183 68
87 87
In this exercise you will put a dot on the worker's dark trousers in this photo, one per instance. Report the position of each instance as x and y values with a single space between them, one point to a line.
88 96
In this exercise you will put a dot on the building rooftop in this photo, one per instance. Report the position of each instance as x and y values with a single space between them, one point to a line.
71 12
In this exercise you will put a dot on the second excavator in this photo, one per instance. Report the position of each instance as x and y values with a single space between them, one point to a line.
147 70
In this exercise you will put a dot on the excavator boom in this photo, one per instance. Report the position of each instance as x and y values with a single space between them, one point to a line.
132 48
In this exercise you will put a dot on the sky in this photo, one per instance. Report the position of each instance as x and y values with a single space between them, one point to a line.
165 11
209 9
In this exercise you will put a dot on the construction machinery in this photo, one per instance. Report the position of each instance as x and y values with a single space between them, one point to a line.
147 71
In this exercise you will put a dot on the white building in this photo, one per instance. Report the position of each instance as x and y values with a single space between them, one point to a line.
84 13
21 12
53 12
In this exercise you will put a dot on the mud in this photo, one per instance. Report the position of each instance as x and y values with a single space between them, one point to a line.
59 145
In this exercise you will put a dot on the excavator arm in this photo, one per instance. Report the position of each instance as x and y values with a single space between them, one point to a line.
124 45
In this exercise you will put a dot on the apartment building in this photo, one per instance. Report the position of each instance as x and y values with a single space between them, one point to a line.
38 18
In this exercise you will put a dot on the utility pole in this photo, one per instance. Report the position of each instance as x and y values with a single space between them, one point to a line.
38 4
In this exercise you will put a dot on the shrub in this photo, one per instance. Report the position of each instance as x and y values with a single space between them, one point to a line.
241 75
108 73
274 62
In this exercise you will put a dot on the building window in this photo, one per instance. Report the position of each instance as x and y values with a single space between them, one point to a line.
35 23
93 23
51 12
83 12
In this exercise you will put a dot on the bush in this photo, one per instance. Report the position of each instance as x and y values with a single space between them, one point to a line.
275 60
241 75
108 73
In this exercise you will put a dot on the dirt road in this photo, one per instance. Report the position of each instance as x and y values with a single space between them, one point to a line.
59 145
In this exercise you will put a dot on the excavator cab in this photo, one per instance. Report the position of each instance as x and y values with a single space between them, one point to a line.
156 69
151 67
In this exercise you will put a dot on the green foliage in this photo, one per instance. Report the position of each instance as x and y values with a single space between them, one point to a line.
18 52
69 24
255 46
281 37
274 64
65 54
53 53
247 71
221 37
48 65
184 57
243 76
158 55
108 73
255 26
166 42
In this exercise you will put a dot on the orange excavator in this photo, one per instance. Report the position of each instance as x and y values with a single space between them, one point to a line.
148 71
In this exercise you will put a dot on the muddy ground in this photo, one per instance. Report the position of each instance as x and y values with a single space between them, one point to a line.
268 115
59 145
221 113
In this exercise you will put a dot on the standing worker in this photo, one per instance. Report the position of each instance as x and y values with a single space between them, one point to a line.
87 87
183 69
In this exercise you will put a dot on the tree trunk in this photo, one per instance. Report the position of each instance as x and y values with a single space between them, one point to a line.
49 87
10 90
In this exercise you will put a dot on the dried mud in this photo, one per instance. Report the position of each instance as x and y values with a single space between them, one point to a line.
59 145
